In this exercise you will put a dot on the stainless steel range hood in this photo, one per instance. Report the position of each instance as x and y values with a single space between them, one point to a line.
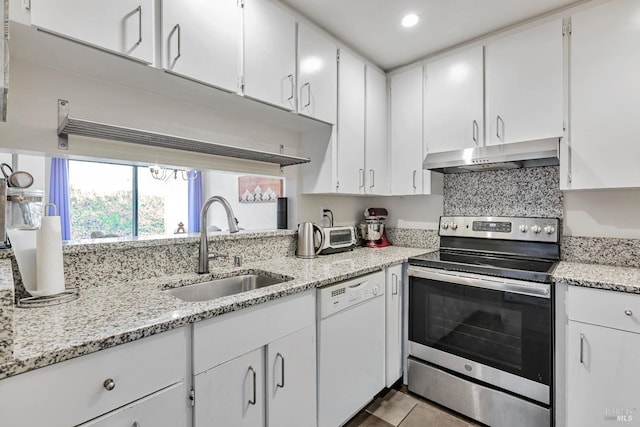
541 152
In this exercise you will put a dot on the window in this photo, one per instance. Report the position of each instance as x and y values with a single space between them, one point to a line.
124 200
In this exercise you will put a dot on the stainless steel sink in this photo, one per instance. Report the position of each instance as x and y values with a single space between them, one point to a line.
213 289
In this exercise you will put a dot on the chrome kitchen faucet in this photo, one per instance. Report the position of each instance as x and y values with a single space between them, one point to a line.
203 255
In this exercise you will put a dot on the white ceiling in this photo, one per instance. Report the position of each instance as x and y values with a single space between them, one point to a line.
372 27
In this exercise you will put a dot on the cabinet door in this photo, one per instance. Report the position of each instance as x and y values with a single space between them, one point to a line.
232 394
125 27
291 380
603 375
166 408
524 85
376 158
269 54
317 75
454 102
350 124
393 326
406 132
604 93
200 40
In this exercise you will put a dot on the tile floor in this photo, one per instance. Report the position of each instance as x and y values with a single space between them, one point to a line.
400 409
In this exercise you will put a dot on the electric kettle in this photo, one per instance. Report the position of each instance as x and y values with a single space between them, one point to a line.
306 240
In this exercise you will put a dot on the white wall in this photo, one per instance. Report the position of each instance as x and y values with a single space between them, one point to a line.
602 213
251 216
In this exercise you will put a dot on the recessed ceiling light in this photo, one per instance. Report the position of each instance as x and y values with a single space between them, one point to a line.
409 20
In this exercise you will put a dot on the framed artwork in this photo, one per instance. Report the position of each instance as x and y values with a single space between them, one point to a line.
257 189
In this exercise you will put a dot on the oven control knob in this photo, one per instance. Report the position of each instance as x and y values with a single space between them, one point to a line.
454 226
549 229
536 228
524 228
445 225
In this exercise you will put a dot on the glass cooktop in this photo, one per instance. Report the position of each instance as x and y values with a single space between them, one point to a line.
534 270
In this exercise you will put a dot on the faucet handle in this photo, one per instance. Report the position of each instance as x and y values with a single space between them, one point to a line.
215 255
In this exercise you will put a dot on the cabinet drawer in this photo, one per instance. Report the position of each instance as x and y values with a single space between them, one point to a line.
222 338
166 408
75 391
612 309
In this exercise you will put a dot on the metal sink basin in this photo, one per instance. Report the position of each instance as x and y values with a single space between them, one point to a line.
213 289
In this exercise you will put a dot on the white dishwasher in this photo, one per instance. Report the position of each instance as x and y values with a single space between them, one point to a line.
351 347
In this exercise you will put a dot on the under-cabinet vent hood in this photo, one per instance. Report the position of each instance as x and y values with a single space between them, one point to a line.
541 152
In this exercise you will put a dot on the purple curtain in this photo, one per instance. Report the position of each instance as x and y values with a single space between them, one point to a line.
59 193
195 200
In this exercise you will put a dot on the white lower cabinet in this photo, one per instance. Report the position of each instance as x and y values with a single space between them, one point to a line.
231 394
257 367
166 408
393 324
118 379
603 350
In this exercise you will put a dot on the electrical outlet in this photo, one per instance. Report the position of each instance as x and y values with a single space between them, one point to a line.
321 213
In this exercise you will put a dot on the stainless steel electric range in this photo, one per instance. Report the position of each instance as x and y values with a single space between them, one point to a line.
480 319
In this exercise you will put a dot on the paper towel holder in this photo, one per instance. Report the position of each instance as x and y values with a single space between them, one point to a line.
46 301
45 210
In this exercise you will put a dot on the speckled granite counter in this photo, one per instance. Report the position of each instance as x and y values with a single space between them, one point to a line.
6 311
105 316
621 279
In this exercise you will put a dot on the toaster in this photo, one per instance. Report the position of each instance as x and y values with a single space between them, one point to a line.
338 239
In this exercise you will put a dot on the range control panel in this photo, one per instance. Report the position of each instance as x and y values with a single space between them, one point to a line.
507 228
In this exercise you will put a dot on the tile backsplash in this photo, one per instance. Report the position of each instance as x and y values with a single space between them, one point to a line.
527 192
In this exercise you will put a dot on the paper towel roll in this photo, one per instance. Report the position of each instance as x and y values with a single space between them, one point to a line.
23 243
49 266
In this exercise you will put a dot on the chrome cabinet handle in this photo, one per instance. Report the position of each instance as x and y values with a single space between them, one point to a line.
414 180
360 178
175 29
394 284
581 348
498 121
628 312
372 175
109 384
475 132
281 383
139 11
290 76
308 86
253 400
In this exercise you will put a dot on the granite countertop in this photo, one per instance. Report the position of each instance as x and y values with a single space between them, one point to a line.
614 278
105 316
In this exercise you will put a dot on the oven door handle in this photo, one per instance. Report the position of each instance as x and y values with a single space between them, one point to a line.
539 290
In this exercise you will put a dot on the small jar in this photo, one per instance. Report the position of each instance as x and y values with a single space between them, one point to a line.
24 208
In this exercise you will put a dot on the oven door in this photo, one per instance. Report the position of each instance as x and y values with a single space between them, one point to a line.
496 331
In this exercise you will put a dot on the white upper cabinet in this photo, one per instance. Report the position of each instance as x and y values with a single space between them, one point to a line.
604 94
269 54
454 102
317 86
201 40
376 158
406 132
524 85
125 27
350 124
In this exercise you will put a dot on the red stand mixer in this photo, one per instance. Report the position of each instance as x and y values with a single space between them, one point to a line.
372 232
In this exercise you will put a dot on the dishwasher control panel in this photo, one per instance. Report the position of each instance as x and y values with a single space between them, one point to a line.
341 296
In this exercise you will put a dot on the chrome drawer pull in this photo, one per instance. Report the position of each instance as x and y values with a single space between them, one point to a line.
281 384
109 384
581 348
253 400
628 312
